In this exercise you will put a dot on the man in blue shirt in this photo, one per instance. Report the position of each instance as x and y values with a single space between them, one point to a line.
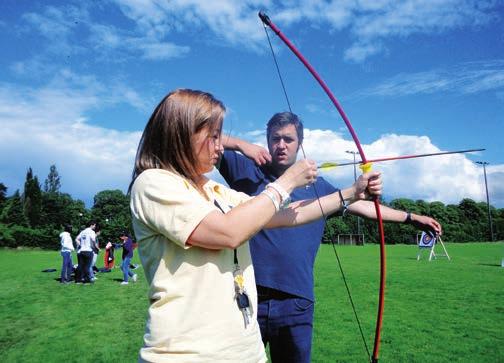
283 258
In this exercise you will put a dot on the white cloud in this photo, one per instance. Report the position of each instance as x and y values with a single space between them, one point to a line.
48 126
160 51
370 22
358 52
57 24
235 23
466 78
110 38
495 181
375 21
69 30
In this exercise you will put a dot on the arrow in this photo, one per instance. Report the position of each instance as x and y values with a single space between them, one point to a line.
331 165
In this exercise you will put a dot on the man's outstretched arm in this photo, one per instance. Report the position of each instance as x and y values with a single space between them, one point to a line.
366 209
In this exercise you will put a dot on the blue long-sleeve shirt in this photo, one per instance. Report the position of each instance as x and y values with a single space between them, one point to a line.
127 249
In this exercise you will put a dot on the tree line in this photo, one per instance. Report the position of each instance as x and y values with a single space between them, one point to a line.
463 222
35 216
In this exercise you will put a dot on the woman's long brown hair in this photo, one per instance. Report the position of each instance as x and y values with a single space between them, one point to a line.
166 142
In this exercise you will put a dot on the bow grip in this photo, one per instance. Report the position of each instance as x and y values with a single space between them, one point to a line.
366 168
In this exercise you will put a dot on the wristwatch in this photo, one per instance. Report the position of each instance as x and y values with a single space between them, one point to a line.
284 196
408 218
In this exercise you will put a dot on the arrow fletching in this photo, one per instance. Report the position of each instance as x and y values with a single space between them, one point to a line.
327 166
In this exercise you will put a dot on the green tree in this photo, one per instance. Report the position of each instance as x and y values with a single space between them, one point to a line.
52 183
437 210
59 209
472 226
499 224
405 205
3 196
111 211
3 192
32 199
403 233
335 225
13 212
422 207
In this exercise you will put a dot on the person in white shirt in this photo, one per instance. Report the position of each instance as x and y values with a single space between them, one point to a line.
85 240
66 252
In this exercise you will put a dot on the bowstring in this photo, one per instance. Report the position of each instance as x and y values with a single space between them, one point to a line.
324 216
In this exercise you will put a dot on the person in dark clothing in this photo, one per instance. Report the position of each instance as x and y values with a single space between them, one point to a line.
283 258
127 255
85 240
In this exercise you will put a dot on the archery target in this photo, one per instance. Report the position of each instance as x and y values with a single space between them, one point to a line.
426 240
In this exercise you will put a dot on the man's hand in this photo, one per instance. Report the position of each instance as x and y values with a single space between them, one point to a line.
426 224
260 155
257 153
368 185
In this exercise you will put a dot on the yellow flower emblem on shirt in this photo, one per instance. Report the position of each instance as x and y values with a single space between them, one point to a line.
239 281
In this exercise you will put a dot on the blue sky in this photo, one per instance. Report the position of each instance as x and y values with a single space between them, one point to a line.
79 79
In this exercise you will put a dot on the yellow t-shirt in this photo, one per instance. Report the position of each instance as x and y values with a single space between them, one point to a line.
193 316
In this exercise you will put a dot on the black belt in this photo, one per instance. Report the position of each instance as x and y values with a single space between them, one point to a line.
267 293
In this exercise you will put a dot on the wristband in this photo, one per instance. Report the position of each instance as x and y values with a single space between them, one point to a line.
408 218
343 202
271 196
284 196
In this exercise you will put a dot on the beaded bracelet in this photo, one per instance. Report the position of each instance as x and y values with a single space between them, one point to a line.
271 196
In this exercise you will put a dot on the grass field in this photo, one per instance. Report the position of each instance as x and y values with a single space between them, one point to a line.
439 311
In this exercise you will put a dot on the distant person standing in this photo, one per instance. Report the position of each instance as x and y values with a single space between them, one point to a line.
66 252
127 255
95 247
85 240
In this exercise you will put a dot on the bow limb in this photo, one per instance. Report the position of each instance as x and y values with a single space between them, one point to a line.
266 20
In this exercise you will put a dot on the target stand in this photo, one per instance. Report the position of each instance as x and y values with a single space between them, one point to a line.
427 242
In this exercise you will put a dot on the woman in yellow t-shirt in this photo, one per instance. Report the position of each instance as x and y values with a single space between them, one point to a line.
192 234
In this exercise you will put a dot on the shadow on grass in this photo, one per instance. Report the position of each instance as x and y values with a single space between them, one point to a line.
489 264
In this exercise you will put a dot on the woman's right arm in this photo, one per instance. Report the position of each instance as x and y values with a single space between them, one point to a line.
218 230
230 230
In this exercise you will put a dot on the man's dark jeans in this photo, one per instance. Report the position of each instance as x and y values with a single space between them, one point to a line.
286 323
